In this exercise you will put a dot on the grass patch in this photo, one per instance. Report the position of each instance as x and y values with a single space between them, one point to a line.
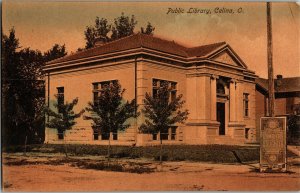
130 167
115 166
203 153
22 162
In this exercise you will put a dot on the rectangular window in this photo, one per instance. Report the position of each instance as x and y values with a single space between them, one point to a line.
167 134
163 83
95 96
98 88
104 84
155 91
155 87
173 95
173 90
164 135
96 135
115 136
60 135
173 133
154 136
173 85
96 91
60 98
104 136
157 83
247 133
246 104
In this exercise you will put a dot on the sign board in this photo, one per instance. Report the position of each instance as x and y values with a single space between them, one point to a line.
273 144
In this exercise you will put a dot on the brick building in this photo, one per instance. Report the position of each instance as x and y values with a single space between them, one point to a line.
287 98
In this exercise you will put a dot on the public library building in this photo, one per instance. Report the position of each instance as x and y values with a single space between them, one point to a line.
216 84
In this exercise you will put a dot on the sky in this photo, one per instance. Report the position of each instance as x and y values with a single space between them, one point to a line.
41 24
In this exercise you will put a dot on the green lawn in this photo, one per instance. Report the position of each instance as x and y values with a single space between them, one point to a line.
203 153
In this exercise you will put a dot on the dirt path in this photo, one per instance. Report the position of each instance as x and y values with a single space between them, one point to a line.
175 176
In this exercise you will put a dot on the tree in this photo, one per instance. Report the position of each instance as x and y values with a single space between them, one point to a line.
21 77
99 31
63 118
9 59
102 28
55 52
149 29
90 37
123 26
80 49
161 112
112 111
31 85
31 63
23 90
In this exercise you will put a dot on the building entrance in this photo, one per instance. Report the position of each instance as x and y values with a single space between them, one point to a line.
221 117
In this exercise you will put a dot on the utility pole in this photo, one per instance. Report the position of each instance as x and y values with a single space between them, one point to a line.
272 149
270 61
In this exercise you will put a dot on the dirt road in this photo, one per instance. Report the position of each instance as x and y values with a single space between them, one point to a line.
174 176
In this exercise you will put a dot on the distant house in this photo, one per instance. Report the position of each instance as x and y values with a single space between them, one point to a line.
287 97
218 87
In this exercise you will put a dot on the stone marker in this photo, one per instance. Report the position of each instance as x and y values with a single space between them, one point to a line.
273 144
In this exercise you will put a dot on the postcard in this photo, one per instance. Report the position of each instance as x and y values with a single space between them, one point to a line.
150 96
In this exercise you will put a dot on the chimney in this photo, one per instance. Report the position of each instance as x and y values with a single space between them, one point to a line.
278 82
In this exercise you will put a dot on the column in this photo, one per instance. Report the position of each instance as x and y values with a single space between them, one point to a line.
191 99
143 85
141 88
198 101
213 97
232 101
239 101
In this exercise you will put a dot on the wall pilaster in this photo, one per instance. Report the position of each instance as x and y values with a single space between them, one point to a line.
232 101
213 98
239 101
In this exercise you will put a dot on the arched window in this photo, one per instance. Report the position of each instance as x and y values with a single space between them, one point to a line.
220 88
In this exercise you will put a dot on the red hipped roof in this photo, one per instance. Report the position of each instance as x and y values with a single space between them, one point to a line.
140 40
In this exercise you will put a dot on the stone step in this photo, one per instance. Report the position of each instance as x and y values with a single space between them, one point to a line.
227 140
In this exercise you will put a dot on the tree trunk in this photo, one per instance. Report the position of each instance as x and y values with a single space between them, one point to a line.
66 150
160 156
25 145
65 144
108 150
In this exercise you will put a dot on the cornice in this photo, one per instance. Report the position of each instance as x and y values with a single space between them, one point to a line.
175 61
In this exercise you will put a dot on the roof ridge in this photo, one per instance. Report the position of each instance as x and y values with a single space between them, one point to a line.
171 41
220 43
111 42
122 38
